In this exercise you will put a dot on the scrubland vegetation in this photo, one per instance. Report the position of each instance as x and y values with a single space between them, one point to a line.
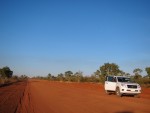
99 75
6 75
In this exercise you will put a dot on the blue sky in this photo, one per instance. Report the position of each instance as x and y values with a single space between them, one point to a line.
41 37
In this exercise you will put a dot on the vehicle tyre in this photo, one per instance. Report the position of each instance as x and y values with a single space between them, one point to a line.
118 92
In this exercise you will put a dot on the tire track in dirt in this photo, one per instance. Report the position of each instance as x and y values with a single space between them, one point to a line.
25 105
11 96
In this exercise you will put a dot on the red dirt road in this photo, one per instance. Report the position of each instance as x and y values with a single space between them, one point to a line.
11 97
57 97
43 96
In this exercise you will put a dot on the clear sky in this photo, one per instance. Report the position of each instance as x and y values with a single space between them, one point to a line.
38 37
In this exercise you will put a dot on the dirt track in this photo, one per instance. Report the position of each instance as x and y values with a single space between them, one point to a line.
11 97
59 97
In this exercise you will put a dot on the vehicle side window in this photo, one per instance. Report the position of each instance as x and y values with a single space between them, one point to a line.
111 79
120 79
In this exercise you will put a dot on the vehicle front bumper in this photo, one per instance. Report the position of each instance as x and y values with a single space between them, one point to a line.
130 91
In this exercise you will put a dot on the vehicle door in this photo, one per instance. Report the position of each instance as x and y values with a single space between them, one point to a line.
110 83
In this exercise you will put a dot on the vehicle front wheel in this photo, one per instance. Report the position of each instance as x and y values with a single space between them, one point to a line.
118 92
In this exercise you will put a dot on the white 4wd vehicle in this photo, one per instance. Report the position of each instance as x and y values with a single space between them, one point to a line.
121 86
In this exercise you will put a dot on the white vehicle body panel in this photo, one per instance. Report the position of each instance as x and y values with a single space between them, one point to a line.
111 86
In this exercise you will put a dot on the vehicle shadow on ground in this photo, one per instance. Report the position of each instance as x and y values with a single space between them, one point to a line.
123 95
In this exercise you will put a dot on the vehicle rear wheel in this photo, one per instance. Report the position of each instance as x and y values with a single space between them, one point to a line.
118 92
107 92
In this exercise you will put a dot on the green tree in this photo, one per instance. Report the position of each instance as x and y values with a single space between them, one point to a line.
94 78
137 73
127 74
23 77
5 72
98 74
68 75
109 69
147 69
60 77
49 76
79 75
121 73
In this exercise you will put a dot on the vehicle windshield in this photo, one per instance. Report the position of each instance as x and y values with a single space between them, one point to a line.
123 79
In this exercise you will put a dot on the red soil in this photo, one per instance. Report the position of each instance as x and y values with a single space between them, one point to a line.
10 97
43 96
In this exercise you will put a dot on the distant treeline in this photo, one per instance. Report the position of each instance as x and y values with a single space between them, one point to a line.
99 75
